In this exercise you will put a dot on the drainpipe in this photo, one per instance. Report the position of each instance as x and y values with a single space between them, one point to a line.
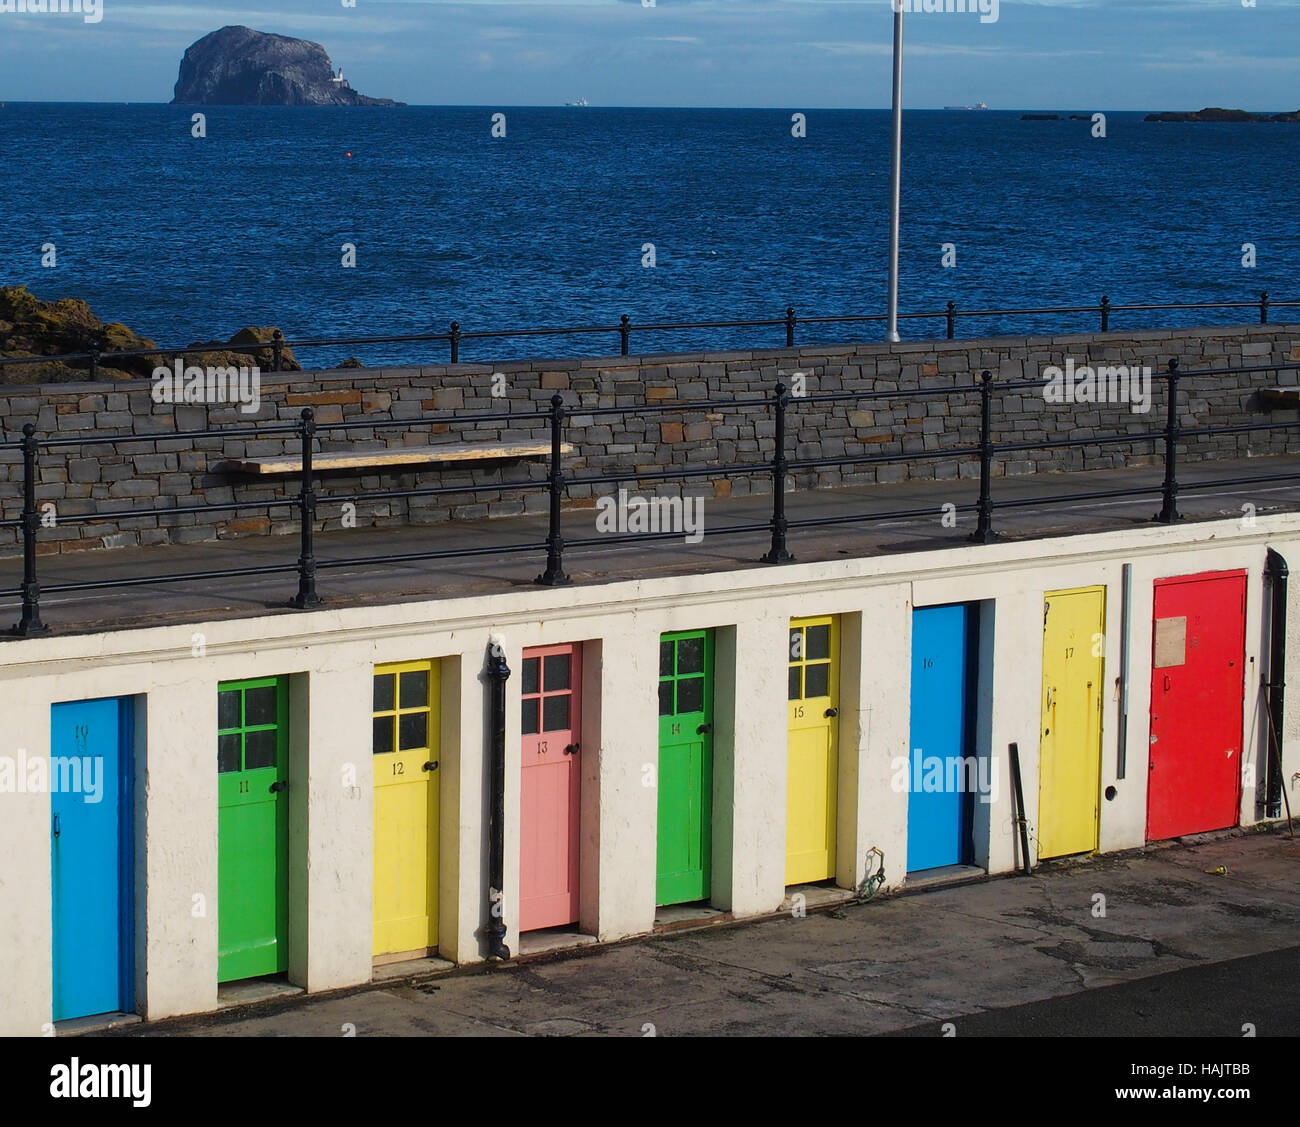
1277 573
498 673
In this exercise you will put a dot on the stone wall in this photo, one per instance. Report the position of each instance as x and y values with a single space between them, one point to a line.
161 471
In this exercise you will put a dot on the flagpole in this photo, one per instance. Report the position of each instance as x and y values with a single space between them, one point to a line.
896 185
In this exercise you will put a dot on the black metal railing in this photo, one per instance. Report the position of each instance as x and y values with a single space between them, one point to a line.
1101 314
559 419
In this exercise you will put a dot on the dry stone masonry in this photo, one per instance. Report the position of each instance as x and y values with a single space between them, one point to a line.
97 476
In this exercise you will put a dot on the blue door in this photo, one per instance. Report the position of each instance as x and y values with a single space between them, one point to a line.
90 774
938 791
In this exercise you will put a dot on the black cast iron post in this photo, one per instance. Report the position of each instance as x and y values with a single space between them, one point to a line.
790 321
984 533
1105 313
952 319
1169 490
778 553
31 625
306 596
554 575
454 337
624 334
1263 308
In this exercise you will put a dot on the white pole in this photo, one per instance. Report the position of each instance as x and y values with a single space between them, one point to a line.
897 177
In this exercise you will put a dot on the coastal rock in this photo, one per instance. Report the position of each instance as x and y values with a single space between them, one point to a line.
238 66
1215 113
31 327
264 358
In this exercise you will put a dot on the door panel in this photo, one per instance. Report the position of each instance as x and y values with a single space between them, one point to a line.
253 827
91 846
405 745
550 787
811 785
1069 779
685 776
1198 651
937 818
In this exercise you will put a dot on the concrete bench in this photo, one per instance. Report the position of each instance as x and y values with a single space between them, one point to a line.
1279 398
389 459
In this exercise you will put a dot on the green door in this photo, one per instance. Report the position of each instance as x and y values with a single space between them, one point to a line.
685 766
252 827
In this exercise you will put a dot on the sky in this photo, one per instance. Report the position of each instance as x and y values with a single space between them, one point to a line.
797 54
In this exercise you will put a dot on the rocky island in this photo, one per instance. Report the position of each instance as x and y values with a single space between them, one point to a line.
238 66
1215 113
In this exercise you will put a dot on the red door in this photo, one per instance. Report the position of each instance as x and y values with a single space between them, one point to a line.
551 786
1196 704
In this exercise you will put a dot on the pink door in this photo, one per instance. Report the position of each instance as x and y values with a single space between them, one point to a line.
551 786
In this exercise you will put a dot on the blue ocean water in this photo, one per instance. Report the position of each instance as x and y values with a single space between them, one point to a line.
185 239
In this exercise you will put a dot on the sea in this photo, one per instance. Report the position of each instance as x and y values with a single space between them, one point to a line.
576 216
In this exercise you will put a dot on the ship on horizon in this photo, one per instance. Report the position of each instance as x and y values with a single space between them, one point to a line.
579 102
976 106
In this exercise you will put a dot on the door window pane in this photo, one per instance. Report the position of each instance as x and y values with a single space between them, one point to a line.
794 682
690 694
690 655
413 731
228 710
665 659
383 735
228 752
555 713
531 675
665 698
556 674
259 706
259 749
817 680
531 706
415 689
385 700
819 643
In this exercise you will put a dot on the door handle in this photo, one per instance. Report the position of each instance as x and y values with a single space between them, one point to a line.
831 712
57 829
703 729
573 749
1168 683
281 785
432 765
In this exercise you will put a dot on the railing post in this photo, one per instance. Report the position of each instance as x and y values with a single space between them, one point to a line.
454 336
306 596
1169 509
790 321
952 319
31 625
94 362
1263 308
554 575
277 351
624 334
778 553
984 533
1105 314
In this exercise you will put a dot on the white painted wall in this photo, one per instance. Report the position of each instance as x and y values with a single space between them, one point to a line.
330 655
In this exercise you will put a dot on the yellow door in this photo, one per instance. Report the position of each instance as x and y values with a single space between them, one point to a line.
406 808
814 729
1069 757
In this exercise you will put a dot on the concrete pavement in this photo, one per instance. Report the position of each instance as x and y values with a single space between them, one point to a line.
999 948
